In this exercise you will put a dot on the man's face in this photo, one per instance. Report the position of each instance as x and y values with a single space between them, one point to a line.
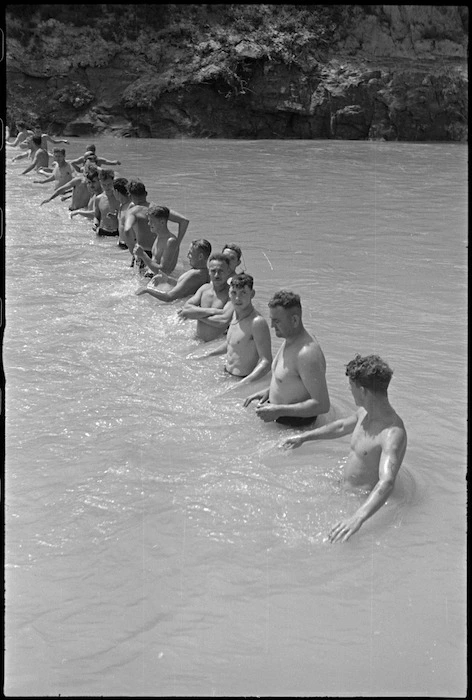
59 157
94 186
219 273
193 255
106 184
356 392
153 222
281 320
241 297
119 196
233 259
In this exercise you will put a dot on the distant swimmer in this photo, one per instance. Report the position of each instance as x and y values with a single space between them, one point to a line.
40 156
298 392
106 205
80 191
378 442
22 135
165 249
248 344
62 171
136 226
210 306
91 151
189 281
45 139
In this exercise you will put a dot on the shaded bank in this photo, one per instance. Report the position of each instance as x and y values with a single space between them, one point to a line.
241 71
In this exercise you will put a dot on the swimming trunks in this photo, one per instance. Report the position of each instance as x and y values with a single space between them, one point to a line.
297 421
122 245
104 232
140 263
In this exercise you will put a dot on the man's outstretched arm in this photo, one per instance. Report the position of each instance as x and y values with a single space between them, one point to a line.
335 429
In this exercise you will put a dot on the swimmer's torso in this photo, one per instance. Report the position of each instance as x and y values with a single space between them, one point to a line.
286 385
242 355
362 465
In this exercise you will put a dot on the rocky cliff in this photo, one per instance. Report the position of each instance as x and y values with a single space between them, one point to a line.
397 72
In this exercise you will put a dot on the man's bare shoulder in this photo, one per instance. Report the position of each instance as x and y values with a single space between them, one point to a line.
258 320
309 350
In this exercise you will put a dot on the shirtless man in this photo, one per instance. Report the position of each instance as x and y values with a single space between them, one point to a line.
94 188
22 135
90 150
210 305
80 191
136 226
45 139
123 197
189 281
378 442
106 205
247 346
62 171
40 156
298 392
165 249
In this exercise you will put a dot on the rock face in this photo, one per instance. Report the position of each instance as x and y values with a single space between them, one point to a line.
394 72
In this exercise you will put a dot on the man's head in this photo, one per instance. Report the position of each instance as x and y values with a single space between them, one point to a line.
90 170
90 156
136 189
158 216
59 155
285 313
120 185
233 253
91 148
219 270
106 176
21 125
369 373
93 181
199 252
37 130
241 291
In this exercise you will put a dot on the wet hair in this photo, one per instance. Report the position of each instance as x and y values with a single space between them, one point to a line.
120 184
21 124
242 280
371 372
37 140
89 155
91 147
286 299
233 246
137 187
106 173
90 171
158 211
59 150
220 257
203 246
37 127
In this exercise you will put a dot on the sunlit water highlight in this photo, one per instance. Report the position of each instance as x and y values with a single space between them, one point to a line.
158 540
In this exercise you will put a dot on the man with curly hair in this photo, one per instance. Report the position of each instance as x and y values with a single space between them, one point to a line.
378 442
298 392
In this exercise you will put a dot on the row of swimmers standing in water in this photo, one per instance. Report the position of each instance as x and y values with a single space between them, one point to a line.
220 301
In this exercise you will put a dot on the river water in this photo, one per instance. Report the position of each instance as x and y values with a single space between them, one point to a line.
158 540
